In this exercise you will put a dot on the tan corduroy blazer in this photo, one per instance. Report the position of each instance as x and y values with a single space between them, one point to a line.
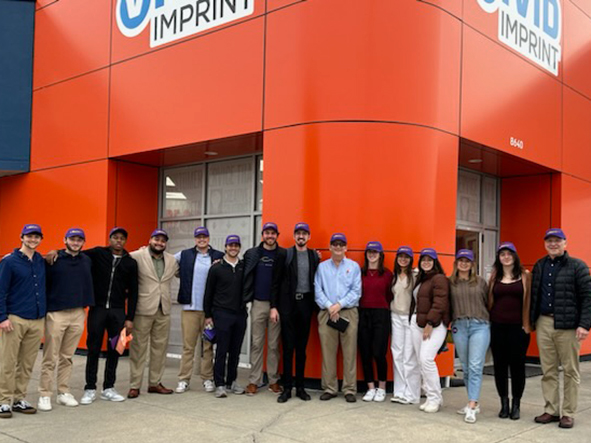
152 291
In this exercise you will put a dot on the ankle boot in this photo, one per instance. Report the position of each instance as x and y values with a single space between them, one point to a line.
504 412
515 405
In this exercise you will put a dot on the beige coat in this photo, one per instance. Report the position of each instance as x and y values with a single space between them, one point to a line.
151 291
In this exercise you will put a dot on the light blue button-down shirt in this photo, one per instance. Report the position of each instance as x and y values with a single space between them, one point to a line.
202 265
340 284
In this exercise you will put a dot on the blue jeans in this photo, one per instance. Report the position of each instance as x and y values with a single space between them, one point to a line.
472 338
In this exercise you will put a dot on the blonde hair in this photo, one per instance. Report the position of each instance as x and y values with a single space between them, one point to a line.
454 278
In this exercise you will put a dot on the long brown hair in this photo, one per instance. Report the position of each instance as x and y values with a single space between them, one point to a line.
437 269
398 270
365 267
455 274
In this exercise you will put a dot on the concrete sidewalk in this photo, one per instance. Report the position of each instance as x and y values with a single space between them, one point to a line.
198 416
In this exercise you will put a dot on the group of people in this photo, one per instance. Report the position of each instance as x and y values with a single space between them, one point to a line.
129 295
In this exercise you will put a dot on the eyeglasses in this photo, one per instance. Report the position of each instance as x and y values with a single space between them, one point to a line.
338 245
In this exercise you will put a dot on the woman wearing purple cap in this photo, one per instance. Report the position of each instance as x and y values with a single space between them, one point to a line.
508 303
374 320
471 327
407 377
429 320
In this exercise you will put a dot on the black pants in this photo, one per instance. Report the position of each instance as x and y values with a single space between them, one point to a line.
295 331
229 330
99 320
509 345
372 336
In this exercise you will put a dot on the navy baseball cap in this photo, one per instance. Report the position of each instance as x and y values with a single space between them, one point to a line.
230 239
374 246
507 245
301 227
338 237
270 225
75 232
201 230
429 252
555 232
161 232
117 229
32 229
405 250
465 253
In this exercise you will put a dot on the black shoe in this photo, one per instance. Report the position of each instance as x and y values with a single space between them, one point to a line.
285 395
327 396
350 398
301 393
515 409
23 407
504 412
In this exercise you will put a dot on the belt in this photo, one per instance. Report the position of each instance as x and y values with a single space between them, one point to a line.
300 295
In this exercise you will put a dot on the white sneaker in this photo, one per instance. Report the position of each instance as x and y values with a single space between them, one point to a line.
431 407
369 395
88 397
66 399
380 395
236 388
465 408
111 395
220 392
423 406
209 386
401 400
183 386
44 404
470 415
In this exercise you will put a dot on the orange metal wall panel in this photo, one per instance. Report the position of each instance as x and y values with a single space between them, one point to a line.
577 49
206 88
505 97
583 5
454 7
273 5
71 38
70 121
576 156
57 199
337 60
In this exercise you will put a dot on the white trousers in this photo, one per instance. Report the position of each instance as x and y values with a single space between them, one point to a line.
427 351
407 376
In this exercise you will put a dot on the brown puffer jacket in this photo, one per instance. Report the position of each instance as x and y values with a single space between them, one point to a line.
432 301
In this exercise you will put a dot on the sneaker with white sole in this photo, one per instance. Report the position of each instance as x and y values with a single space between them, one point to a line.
369 395
209 386
111 394
470 416
44 404
24 407
401 400
423 406
183 386
380 395
465 408
431 407
236 389
5 411
66 399
220 392
88 397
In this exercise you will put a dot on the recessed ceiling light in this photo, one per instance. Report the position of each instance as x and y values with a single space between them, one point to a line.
475 160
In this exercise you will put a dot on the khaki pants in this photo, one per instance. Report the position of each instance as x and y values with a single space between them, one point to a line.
558 347
259 323
18 352
192 323
329 342
63 330
149 331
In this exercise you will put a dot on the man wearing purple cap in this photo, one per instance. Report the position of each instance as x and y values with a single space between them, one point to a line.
337 288
22 312
561 314
156 269
69 291
194 265
259 272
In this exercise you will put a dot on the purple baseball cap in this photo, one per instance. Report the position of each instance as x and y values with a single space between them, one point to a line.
230 239
429 252
117 229
270 225
161 232
507 245
32 229
555 232
374 246
201 230
405 250
338 237
75 232
301 227
465 253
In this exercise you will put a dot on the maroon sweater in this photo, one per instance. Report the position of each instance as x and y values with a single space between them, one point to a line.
375 290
